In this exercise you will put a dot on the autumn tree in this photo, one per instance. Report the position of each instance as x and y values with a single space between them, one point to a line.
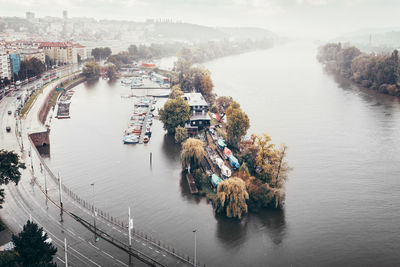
180 134
174 113
192 153
176 91
31 247
237 124
231 198
91 70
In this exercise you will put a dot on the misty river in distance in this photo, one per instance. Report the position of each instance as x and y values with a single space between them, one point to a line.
343 202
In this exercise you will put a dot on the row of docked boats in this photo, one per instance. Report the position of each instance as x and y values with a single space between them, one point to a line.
140 123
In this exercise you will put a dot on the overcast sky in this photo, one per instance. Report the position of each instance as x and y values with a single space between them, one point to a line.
325 18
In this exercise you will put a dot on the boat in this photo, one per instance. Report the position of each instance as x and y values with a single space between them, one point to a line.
131 139
234 161
227 152
225 171
215 180
148 65
221 143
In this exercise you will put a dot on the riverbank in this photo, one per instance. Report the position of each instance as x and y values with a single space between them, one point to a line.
375 72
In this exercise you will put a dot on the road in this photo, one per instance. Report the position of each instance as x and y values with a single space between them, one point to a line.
28 201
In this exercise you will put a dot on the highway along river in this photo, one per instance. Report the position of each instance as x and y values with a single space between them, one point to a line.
343 200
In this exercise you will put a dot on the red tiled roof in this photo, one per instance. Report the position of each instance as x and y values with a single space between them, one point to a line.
55 44
78 46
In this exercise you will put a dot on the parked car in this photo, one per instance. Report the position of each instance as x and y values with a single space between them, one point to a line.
8 129
9 112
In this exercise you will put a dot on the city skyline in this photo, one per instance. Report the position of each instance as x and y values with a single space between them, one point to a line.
322 18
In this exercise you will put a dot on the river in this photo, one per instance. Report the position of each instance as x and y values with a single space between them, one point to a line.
343 201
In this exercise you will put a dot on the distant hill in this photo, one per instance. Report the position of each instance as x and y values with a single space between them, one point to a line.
372 37
248 33
187 31
194 32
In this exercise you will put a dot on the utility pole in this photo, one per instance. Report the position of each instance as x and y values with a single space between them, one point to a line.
130 227
195 247
94 215
66 254
60 192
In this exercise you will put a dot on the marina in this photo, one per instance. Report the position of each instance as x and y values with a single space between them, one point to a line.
139 127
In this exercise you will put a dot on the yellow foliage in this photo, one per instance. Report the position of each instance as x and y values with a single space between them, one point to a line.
192 152
231 197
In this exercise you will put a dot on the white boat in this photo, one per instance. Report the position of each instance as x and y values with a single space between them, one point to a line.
131 139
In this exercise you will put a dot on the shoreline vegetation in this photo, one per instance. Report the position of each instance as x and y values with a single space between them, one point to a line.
201 52
258 179
377 72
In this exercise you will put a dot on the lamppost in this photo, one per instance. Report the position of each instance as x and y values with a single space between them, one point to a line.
94 215
195 247
130 227
60 192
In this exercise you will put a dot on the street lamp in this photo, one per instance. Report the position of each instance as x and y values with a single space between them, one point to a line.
94 215
195 247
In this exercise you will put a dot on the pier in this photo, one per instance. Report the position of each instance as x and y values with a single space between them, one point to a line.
148 114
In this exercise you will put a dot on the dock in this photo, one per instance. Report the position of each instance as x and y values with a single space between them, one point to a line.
192 184
148 113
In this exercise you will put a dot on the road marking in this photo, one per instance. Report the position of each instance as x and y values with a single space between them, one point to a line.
94 246
143 244
107 254
157 251
122 263
150 247
60 259
81 238
71 232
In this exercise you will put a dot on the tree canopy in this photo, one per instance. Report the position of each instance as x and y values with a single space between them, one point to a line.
100 53
10 167
91 70
180 134
237 124
31 68
192 153
32 248
231 198
176 91
174 113
111 71
378 72
264 170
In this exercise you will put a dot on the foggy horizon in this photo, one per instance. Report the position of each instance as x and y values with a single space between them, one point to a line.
321 19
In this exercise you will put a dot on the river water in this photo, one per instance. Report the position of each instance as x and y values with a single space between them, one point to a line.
343 194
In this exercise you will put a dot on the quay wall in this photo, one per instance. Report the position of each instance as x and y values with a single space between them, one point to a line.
44 110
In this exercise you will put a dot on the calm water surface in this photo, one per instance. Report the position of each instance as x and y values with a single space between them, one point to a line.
343 195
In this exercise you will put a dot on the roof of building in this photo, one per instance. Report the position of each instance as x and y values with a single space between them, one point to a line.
55 44
78 46
200 116
195 99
